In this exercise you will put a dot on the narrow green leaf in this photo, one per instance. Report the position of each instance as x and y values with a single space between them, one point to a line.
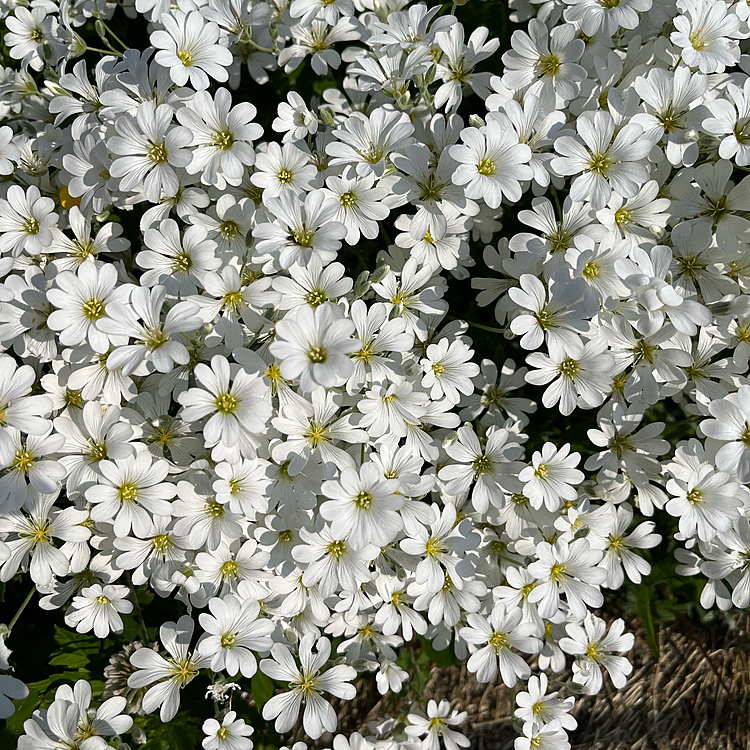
643 599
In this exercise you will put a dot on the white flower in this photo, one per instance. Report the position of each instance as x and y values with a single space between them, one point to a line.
233 633
81 299
26 220
306 684
131 490
29 538
313 346
359 205
593 648
367 142
581 379
231 734
177 263
149 149
706 503
567 568
483 465
363 507
304 229
237 410
538 736
188 47
283 169
707 34
731 426
551 478
317 40
673 109
595 16
294 118
171 674
447 370
492 163
28 30
395 612
731 123
456 64
31 460
497 637
9 152
537 705
17 408
332 563
544 62
610 161
440 549
436 725
98 608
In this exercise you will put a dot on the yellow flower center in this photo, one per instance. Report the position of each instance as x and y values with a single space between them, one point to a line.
182 263
698 39
486 167
317 355
284 176
23 460
337 549
157 152
600 164
363 500
549 65
31 226
568 368
498 641
541 472
482 465
229 569
223 140
93 309
226 403
348 199
558 572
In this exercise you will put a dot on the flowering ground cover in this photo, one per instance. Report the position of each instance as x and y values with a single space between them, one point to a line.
374 375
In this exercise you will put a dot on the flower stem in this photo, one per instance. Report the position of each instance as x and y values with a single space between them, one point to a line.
114 36
474 324
138 611
103 51
21 609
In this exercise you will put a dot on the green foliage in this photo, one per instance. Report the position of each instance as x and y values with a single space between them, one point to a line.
643 598
444 658
184 732
263 689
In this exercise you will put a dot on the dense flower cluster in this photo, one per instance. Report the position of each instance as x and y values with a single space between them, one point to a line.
198 396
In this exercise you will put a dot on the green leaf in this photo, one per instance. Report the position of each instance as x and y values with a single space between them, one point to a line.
75 650
183 733
263 689
643 599
43 686
444 658
24 709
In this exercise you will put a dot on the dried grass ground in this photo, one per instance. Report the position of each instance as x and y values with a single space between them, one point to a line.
695 697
